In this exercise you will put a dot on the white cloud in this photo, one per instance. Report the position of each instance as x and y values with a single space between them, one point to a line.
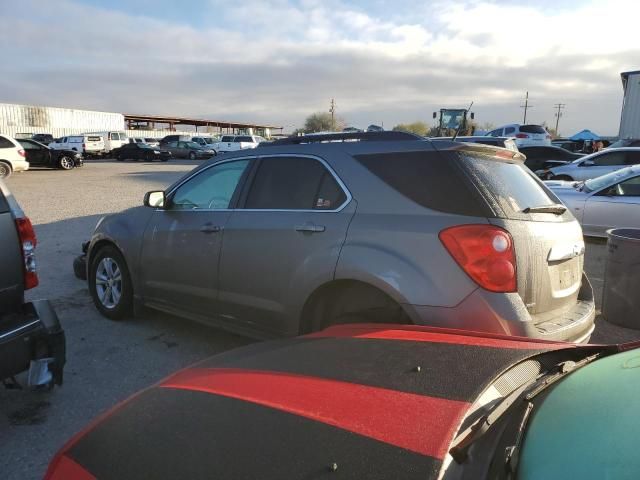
279 60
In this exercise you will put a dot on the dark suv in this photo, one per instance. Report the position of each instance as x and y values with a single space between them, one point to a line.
359 227
31 337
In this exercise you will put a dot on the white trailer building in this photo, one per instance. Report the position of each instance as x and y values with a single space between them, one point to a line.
630 118
59 122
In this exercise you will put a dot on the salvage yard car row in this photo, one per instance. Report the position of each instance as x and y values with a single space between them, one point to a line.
476 405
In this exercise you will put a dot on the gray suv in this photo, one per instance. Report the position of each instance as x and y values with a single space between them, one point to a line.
363 227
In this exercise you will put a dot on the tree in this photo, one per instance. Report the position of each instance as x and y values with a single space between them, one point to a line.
419 128
322 122
487 126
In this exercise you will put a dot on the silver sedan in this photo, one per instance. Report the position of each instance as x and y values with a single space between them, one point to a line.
594 165
608 201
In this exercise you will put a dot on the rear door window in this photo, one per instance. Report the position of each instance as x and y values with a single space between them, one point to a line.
227 139
6 143
633 158
609 159
294 183
509 130
246 139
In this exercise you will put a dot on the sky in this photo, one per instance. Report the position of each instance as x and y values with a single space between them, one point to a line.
277 61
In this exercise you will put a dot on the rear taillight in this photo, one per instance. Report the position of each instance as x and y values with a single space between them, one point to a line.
486 253
522 135
22 153
28 242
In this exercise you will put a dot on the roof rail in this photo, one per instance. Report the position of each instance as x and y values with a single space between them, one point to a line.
389 135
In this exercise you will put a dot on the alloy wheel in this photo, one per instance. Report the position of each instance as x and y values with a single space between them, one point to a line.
109 283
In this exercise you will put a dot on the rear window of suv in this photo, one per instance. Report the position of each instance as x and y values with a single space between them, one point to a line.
461 183
532 129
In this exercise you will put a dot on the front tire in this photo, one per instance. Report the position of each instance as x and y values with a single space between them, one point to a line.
5 170
66 163
110 283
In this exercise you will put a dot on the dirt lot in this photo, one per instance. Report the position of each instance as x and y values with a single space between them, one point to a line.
107 361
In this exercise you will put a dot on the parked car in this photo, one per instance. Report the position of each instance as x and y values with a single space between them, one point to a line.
12 157
86 144
525 135
44 138
625 142
609 201
141 151
112 140
207 142
501 255
594 165
189 150
376 402
569 145
31 338
502 142
545 157
175 138
232 143
40 155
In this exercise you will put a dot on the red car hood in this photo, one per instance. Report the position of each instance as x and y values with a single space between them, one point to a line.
357 401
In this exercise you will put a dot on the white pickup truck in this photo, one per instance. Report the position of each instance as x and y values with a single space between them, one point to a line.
231 143
85 144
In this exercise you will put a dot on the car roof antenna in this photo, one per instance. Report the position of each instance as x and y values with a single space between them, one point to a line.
460 124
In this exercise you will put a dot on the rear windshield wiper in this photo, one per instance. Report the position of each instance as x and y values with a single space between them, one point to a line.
555 208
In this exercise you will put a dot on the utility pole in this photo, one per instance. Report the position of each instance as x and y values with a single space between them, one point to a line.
559 106
332 111
526 106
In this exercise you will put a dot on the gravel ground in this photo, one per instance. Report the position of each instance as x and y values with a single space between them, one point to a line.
108 361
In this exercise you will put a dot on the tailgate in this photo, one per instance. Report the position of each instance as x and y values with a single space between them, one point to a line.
550 259
11 279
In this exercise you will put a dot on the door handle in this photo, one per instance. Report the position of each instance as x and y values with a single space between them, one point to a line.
209 228
310 227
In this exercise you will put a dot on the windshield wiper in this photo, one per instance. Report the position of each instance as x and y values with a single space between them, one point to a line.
555 208
462 443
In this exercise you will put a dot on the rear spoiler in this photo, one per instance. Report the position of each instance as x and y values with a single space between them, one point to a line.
489 150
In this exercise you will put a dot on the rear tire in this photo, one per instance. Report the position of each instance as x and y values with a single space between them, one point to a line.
110 283
5 169
350 302
562 177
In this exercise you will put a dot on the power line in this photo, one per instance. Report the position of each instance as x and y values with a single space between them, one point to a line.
558 114
332 111
526 106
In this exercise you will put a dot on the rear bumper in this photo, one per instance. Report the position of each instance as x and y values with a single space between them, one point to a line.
484 311
30 334
20 166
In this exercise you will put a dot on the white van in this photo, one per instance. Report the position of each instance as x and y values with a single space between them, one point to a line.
87 144
112 139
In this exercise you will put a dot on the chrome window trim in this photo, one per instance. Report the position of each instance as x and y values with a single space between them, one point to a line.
344 188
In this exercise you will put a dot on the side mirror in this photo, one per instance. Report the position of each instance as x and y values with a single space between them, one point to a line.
473 115
435 114
155 199
587 163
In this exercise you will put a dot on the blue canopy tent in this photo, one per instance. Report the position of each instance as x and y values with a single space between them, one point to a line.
584 135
